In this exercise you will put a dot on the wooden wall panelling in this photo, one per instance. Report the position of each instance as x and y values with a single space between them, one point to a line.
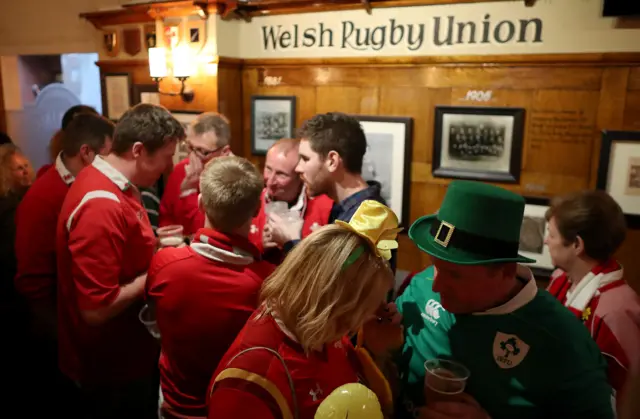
3 115
305 104
138 69
568 101
611 109
230 101
205 87
631 119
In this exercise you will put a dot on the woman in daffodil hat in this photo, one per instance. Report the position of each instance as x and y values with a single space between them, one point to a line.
295 350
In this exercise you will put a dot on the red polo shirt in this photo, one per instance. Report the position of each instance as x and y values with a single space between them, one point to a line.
36 223
104 240
203 295
315 212
244 393
178 207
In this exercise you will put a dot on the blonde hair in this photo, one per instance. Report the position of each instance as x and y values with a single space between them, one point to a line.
317 299
7 152
231 187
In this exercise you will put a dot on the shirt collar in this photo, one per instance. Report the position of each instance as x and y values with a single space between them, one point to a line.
301 202
600 276
226 248
524 297
64 173
112 173
348 205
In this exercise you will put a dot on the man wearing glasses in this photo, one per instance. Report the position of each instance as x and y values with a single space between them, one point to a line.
208 137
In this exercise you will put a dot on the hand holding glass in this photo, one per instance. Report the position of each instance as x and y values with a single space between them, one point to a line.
148 318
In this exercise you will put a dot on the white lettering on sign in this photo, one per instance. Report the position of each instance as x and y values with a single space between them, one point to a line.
479 96
272 80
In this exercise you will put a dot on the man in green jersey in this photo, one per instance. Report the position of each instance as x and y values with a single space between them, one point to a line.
528 357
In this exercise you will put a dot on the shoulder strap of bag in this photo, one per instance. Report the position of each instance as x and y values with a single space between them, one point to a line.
263 382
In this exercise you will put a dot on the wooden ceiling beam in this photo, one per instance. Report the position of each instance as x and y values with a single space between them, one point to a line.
234 9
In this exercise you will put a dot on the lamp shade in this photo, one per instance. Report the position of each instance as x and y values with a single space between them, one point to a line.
182 61
157 62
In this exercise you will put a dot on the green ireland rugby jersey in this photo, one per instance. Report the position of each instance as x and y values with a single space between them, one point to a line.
530 358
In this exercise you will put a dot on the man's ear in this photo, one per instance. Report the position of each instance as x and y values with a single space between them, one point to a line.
578 246
136 150
333 161
86 154
226 151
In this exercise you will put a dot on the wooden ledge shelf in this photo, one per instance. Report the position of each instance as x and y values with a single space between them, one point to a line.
149 12
235 9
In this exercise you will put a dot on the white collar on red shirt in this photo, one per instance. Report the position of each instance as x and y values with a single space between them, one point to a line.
300 205
64 173
112 173
202 246
586 289
524 297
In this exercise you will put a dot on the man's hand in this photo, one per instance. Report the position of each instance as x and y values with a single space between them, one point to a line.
267 242
192 171
384 333
282 231
459 406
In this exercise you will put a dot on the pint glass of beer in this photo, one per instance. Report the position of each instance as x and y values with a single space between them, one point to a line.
443 378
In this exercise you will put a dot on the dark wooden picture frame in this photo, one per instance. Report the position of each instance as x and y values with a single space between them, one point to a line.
631 196
477 153
263 136
534 217
394 127
185 118
105 93
139 89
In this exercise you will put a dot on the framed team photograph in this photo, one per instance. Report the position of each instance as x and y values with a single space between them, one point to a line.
272 118
533 233
619 171
186 118
388 160
479 143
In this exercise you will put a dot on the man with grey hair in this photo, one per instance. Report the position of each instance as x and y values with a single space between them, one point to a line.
208 137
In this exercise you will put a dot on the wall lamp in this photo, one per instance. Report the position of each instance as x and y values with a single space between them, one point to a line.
182 69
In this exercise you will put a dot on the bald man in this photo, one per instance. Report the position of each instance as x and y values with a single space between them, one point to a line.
283 184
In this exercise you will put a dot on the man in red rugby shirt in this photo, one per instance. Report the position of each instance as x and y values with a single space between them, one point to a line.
282 183
207 138
86 136
203 294
36 221
104 247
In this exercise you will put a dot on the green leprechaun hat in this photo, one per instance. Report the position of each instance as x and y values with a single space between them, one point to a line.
477 224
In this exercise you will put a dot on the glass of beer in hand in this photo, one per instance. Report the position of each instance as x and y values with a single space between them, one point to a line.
170 236
443 379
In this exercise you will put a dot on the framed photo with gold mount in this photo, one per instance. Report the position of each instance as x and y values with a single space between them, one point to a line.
111 42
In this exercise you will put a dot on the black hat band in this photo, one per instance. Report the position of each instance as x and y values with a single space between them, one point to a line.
447 235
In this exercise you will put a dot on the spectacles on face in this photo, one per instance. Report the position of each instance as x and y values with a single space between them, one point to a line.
202 153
